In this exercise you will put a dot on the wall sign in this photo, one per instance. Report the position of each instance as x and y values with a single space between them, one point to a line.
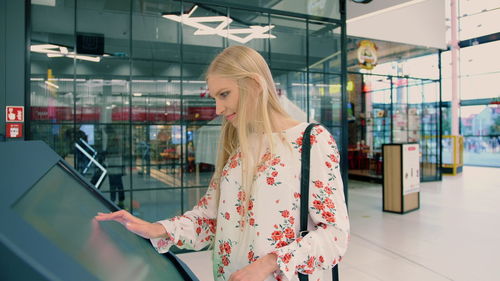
14 113
411 168
14 130
367 54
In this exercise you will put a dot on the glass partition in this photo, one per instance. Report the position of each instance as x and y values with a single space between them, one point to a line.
127 78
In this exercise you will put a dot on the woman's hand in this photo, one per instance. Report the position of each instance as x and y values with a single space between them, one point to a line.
140 227
258 270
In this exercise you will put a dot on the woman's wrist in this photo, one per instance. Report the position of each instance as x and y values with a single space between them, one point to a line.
159 231
270 263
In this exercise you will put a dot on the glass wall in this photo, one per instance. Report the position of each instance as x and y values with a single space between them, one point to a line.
124 82
478 76
395 101
391 109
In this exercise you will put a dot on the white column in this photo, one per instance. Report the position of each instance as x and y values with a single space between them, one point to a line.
455 97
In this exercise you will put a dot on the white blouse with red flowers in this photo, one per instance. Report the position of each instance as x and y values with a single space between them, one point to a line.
272 222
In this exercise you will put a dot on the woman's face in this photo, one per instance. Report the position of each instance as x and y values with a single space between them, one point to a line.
226 93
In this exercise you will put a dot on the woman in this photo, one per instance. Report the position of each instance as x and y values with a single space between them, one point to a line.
250 213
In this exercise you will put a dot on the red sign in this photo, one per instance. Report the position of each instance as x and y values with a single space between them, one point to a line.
14 130
14 114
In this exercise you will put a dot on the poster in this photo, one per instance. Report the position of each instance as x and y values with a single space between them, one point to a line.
411 168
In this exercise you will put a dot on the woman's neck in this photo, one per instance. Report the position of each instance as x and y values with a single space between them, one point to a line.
280 123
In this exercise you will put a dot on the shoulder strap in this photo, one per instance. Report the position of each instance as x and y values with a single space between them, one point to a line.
304 193
304 178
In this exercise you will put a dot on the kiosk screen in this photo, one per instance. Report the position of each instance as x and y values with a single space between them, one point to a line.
62 210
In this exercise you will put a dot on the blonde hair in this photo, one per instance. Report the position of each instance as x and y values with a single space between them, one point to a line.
248 68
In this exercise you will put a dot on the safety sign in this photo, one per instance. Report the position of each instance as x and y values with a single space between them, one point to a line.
14 113
14 130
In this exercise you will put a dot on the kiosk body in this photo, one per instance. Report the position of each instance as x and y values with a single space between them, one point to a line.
48 231
401 177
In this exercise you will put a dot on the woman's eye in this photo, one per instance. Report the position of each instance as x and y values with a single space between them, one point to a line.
224 94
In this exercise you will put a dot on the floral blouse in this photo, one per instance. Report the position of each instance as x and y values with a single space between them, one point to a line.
271 223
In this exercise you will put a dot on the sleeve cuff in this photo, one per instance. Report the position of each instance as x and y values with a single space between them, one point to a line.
162 245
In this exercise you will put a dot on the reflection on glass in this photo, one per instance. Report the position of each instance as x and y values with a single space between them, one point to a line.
106 250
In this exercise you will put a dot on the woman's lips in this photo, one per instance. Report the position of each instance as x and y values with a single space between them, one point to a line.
230 117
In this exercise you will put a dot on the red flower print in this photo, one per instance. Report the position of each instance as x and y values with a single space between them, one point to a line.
233 164
318 205
275 161
328 216
266 156
211 224
321 259
313 139
250 256
310 262
227 216
203 202
292 220
285 213
289 233
220 270
161 243
333 158
328 190
251 221
270 181
296 195
225 261
250 205
240 210
277 235
221 249
274 174
329 203
262 168
318 184
281 244
286 258
241 195
319 130
298 141
198 230
180 243
227 248
328 164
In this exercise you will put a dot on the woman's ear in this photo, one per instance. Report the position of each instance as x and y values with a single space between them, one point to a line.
255 81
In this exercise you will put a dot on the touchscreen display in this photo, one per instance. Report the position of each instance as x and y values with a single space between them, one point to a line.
62 209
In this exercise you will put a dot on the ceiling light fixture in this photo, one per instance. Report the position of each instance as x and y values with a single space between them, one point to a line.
253 31
56 51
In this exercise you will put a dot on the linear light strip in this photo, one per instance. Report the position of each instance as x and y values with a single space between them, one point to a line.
253 31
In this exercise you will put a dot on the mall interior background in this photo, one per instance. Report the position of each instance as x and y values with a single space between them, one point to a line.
143 109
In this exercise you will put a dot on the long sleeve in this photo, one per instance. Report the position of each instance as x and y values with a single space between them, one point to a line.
325 244
193 230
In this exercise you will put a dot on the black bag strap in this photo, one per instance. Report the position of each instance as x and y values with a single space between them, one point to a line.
304 179
304 192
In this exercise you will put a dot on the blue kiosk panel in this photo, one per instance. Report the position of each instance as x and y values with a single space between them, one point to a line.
51 233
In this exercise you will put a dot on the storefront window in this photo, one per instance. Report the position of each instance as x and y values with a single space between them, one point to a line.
480 126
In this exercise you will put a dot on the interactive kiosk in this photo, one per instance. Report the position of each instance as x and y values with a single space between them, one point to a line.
47 230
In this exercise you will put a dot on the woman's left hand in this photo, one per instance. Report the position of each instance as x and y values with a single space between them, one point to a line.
259 270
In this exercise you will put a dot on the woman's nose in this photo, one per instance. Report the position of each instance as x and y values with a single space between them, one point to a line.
219 108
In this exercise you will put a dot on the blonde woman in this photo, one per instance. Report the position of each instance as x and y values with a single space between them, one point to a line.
250 213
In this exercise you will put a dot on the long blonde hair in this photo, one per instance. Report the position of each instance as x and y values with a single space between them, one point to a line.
248 68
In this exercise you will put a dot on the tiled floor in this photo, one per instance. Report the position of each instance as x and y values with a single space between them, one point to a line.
455 235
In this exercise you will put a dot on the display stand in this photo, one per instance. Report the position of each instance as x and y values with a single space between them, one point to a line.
401 177
454 165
